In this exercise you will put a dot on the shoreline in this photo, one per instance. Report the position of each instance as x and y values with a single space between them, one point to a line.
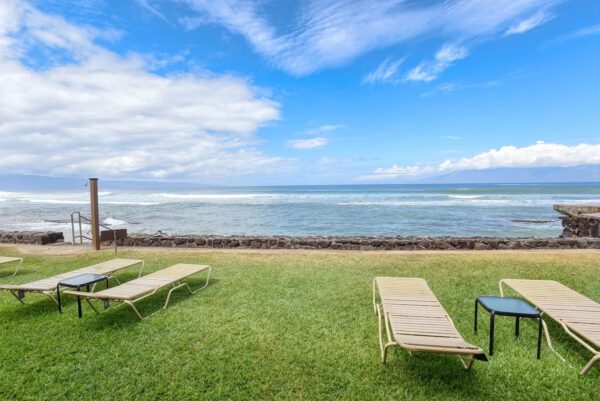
334 243
68 249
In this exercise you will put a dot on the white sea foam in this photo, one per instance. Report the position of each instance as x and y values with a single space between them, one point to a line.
132 203
217 196
465 196
109 221
476 202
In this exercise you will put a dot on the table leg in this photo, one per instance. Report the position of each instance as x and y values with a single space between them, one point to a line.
79 303
58 298
517 327
106 281
492 316
539 350
476 307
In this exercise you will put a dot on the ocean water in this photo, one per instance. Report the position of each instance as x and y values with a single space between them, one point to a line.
422 210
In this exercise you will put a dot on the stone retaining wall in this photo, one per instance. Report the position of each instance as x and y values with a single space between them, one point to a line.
357 243
30 237
580 227
333 243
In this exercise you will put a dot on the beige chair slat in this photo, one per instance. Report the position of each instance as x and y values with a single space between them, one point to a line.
415 320
140 288
574 311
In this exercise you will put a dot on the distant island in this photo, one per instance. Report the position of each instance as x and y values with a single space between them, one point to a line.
530 175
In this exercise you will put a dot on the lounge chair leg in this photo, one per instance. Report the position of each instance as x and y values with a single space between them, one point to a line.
176 286
549 341
92 305
207 277
17 297
384 351
547 334
51 297
205 284
466 365
383 347
590 364
500 285
141 269
18 267
189 288
374 299
379 333
135 309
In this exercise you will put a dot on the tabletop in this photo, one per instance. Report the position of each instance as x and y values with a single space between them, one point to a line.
82 279
508 306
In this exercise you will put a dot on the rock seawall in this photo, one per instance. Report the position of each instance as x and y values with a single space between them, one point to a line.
316 242
357 243
30 237
580 227
579 220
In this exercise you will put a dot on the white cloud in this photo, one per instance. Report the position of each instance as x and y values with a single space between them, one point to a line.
580 33
456 86
310 143
540 154
588 31
329 33
385 72
530 23
152 9
452 137
95 112
323 129
430 70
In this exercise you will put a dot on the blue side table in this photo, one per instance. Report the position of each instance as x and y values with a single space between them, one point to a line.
509 307
77 282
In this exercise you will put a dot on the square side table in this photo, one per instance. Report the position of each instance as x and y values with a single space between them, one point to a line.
514 307
77 282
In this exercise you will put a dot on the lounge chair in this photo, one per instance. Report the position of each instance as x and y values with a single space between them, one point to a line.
4 260
578 315
144 287
47 286
415 320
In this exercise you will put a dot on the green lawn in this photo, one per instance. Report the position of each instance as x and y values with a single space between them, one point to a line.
286 327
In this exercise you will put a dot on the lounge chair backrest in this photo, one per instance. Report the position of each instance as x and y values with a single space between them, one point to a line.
578 314
416 320
562 304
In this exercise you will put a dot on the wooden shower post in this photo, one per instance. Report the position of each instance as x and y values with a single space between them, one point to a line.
95 213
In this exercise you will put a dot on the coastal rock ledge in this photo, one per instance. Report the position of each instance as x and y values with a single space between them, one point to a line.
31 237
319 242
357 243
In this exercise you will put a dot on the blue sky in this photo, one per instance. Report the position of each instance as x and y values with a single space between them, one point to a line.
306 92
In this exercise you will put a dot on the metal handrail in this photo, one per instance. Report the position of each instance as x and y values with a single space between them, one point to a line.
81 236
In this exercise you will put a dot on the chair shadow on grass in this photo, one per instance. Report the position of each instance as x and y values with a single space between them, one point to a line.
434 375
120 315
35 305
575 355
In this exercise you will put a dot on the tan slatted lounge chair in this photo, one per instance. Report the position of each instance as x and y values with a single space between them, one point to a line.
415 320
577 314
5 260
144 287
47 286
